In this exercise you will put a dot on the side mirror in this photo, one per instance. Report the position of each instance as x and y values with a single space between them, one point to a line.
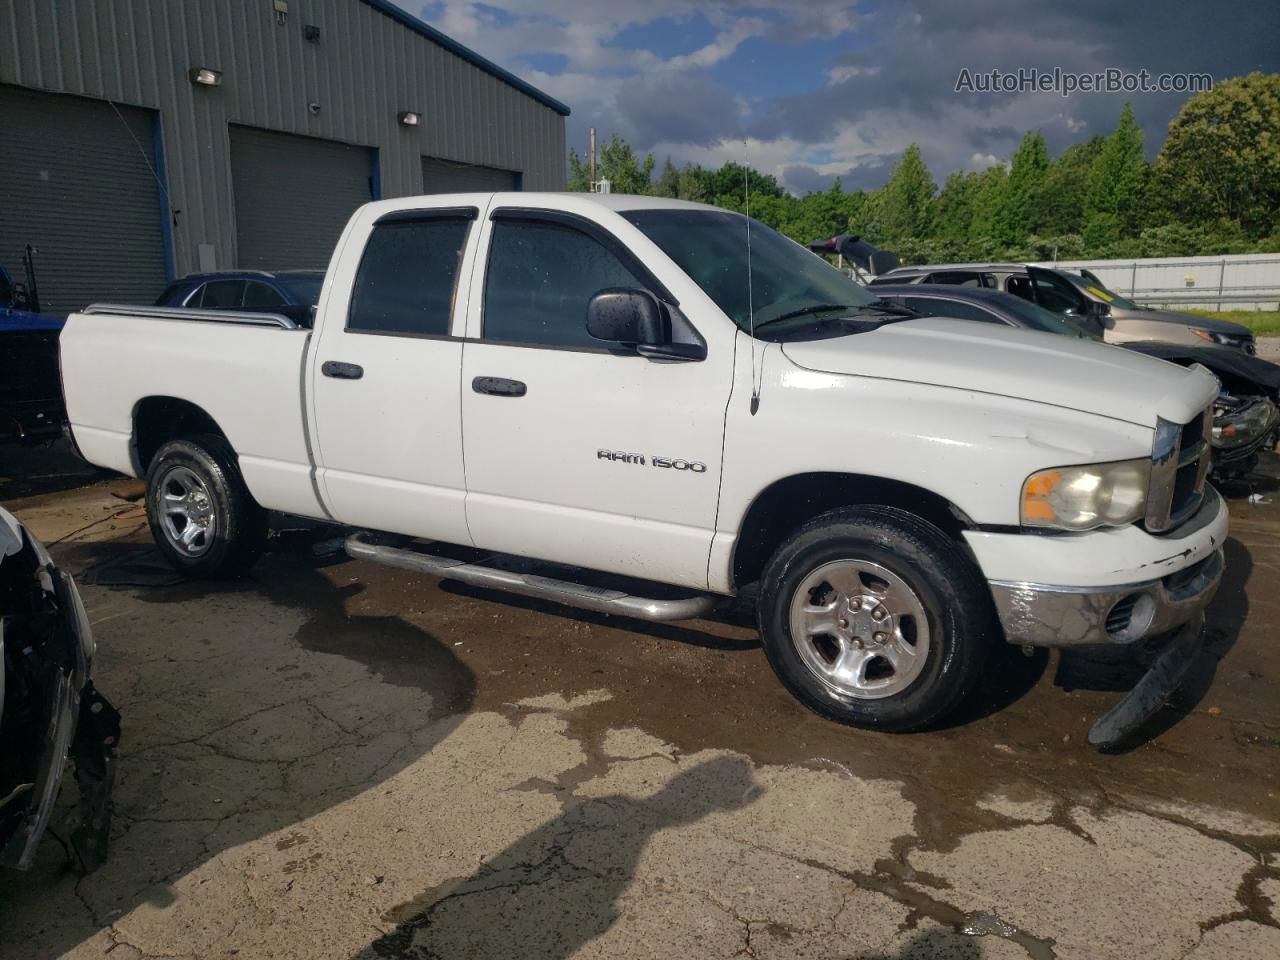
1099 309
626 316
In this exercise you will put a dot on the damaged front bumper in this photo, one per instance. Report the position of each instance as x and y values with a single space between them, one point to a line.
1049 616
1160 613
50 711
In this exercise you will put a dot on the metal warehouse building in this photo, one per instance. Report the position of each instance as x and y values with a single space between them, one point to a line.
144 139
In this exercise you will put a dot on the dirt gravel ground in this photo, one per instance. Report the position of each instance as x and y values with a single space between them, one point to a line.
329 759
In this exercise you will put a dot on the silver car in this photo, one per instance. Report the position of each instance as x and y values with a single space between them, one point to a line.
1115 318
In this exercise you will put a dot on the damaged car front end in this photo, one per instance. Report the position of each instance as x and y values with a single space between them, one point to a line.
50 711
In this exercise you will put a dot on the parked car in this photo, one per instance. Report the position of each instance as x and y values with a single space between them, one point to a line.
50 710
668 418
1245 413
291 293
30 393
1118 319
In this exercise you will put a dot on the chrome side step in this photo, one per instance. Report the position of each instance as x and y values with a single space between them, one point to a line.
363 546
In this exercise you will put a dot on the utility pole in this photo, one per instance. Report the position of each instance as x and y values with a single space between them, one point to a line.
591 164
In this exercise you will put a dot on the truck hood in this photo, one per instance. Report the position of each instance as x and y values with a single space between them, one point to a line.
1023 364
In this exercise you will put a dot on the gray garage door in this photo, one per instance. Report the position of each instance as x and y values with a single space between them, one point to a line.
76 184
294 196
445 176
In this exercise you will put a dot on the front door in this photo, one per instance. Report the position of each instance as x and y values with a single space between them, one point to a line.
576 451
385 380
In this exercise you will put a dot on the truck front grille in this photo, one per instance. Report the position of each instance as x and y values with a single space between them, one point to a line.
1179 465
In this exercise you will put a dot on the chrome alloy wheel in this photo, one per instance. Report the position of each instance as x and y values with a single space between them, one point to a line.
185 510
860 629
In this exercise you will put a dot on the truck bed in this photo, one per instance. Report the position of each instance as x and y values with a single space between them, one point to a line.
243 370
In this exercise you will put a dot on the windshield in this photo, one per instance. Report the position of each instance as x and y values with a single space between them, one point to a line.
1035 317
1098 292
711 247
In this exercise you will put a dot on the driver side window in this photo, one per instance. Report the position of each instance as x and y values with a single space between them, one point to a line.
541 276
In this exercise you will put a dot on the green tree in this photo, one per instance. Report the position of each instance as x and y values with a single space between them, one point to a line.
1062 194
988 200
617 163
668 182
1118 179
1221 161
954 211
1018 216
905 202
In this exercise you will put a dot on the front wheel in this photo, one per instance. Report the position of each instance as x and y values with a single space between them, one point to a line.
201 514
875 618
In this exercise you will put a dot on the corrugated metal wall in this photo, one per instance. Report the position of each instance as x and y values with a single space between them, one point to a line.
365 69
90 208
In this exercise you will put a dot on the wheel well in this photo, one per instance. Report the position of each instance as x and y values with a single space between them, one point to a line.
157 420
788 504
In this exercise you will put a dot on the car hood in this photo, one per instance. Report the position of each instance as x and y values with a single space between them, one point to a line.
1226 363
1212 324
1025 364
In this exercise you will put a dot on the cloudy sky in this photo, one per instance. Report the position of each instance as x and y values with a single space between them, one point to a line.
818 90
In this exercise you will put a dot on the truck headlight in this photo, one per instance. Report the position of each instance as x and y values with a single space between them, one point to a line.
1085 497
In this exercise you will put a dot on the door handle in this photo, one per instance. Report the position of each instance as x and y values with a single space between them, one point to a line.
342 371
499 386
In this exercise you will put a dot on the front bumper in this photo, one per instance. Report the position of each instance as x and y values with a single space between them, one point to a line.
1049 616
1106 587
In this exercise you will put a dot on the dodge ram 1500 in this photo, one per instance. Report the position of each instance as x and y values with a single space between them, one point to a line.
665 404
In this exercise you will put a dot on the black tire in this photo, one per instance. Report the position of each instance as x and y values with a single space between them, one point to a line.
236 529
947 584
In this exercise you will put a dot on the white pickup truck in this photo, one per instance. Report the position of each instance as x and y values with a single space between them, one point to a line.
667 404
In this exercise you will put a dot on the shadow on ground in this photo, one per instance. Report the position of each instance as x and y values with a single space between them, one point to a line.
557 888
28 470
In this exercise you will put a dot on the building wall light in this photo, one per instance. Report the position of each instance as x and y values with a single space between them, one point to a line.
206 76
409 119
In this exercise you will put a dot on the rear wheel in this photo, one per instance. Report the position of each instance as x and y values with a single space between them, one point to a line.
875 618
201 514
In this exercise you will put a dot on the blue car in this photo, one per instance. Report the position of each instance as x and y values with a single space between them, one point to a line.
30 390
291 293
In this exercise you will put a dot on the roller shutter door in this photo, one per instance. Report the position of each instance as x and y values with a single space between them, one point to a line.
76 183
293 196
445 176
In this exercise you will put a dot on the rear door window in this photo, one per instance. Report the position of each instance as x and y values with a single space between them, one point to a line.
407 278
958 278
220 295
1020 287
262 296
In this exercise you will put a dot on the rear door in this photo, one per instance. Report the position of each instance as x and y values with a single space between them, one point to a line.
385 373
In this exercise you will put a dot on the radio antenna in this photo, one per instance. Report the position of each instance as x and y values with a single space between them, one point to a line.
751 305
